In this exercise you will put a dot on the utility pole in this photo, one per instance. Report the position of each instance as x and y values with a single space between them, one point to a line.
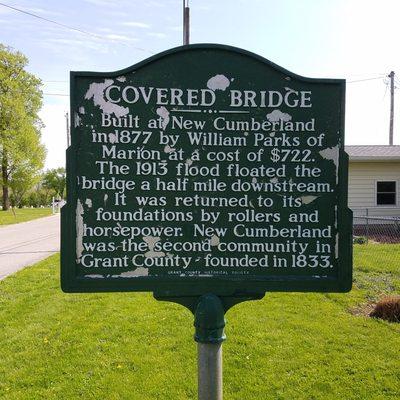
186 22
68 134
391 76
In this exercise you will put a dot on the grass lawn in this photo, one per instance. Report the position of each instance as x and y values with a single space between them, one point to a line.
22 215
129 346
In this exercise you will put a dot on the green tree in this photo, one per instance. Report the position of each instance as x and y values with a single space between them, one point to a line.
23 180
21 151
54 180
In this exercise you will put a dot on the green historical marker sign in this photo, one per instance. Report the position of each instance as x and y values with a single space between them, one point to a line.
206 169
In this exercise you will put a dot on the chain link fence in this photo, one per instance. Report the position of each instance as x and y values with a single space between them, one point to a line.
371 228
382 230
376 254
376 240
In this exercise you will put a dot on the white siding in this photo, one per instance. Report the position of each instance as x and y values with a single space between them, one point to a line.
362 187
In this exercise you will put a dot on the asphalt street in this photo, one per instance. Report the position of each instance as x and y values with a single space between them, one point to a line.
27 243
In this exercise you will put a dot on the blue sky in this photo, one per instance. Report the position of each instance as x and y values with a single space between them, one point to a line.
352 39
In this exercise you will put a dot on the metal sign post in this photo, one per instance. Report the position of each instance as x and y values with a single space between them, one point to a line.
207 175
209 366
209 323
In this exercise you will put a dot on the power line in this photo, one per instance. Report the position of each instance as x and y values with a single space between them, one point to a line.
368 79
71 27
359 80
53 22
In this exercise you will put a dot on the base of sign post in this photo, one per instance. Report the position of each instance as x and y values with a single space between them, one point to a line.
209 364
209 320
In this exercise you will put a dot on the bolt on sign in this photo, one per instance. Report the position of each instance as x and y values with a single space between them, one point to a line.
206 169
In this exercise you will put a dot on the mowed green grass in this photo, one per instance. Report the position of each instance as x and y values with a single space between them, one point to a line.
22 215
129 346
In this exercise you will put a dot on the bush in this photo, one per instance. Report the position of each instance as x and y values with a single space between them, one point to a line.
388 309
360 240
37 198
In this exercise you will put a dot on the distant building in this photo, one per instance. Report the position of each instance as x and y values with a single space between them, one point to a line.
374 179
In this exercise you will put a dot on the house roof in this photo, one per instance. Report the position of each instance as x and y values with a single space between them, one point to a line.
373 153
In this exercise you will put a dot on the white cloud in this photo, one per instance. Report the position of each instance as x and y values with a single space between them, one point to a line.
107 30
136 24
177 28
152 3
58 44
5 11
42 11
157 35
110 3
123 38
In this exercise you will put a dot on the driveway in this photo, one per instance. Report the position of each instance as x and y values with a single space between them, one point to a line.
27 243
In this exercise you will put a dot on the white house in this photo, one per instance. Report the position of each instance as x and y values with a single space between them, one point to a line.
374 179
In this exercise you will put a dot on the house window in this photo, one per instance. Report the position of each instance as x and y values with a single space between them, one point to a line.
386 193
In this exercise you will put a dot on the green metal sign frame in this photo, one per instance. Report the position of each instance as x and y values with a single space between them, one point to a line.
190 65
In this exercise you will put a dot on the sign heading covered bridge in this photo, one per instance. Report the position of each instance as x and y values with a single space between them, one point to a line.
206 169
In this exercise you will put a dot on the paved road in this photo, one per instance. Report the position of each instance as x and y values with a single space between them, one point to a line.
27 243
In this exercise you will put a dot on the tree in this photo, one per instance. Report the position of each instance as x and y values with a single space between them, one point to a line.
20 101
54 180
23 180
